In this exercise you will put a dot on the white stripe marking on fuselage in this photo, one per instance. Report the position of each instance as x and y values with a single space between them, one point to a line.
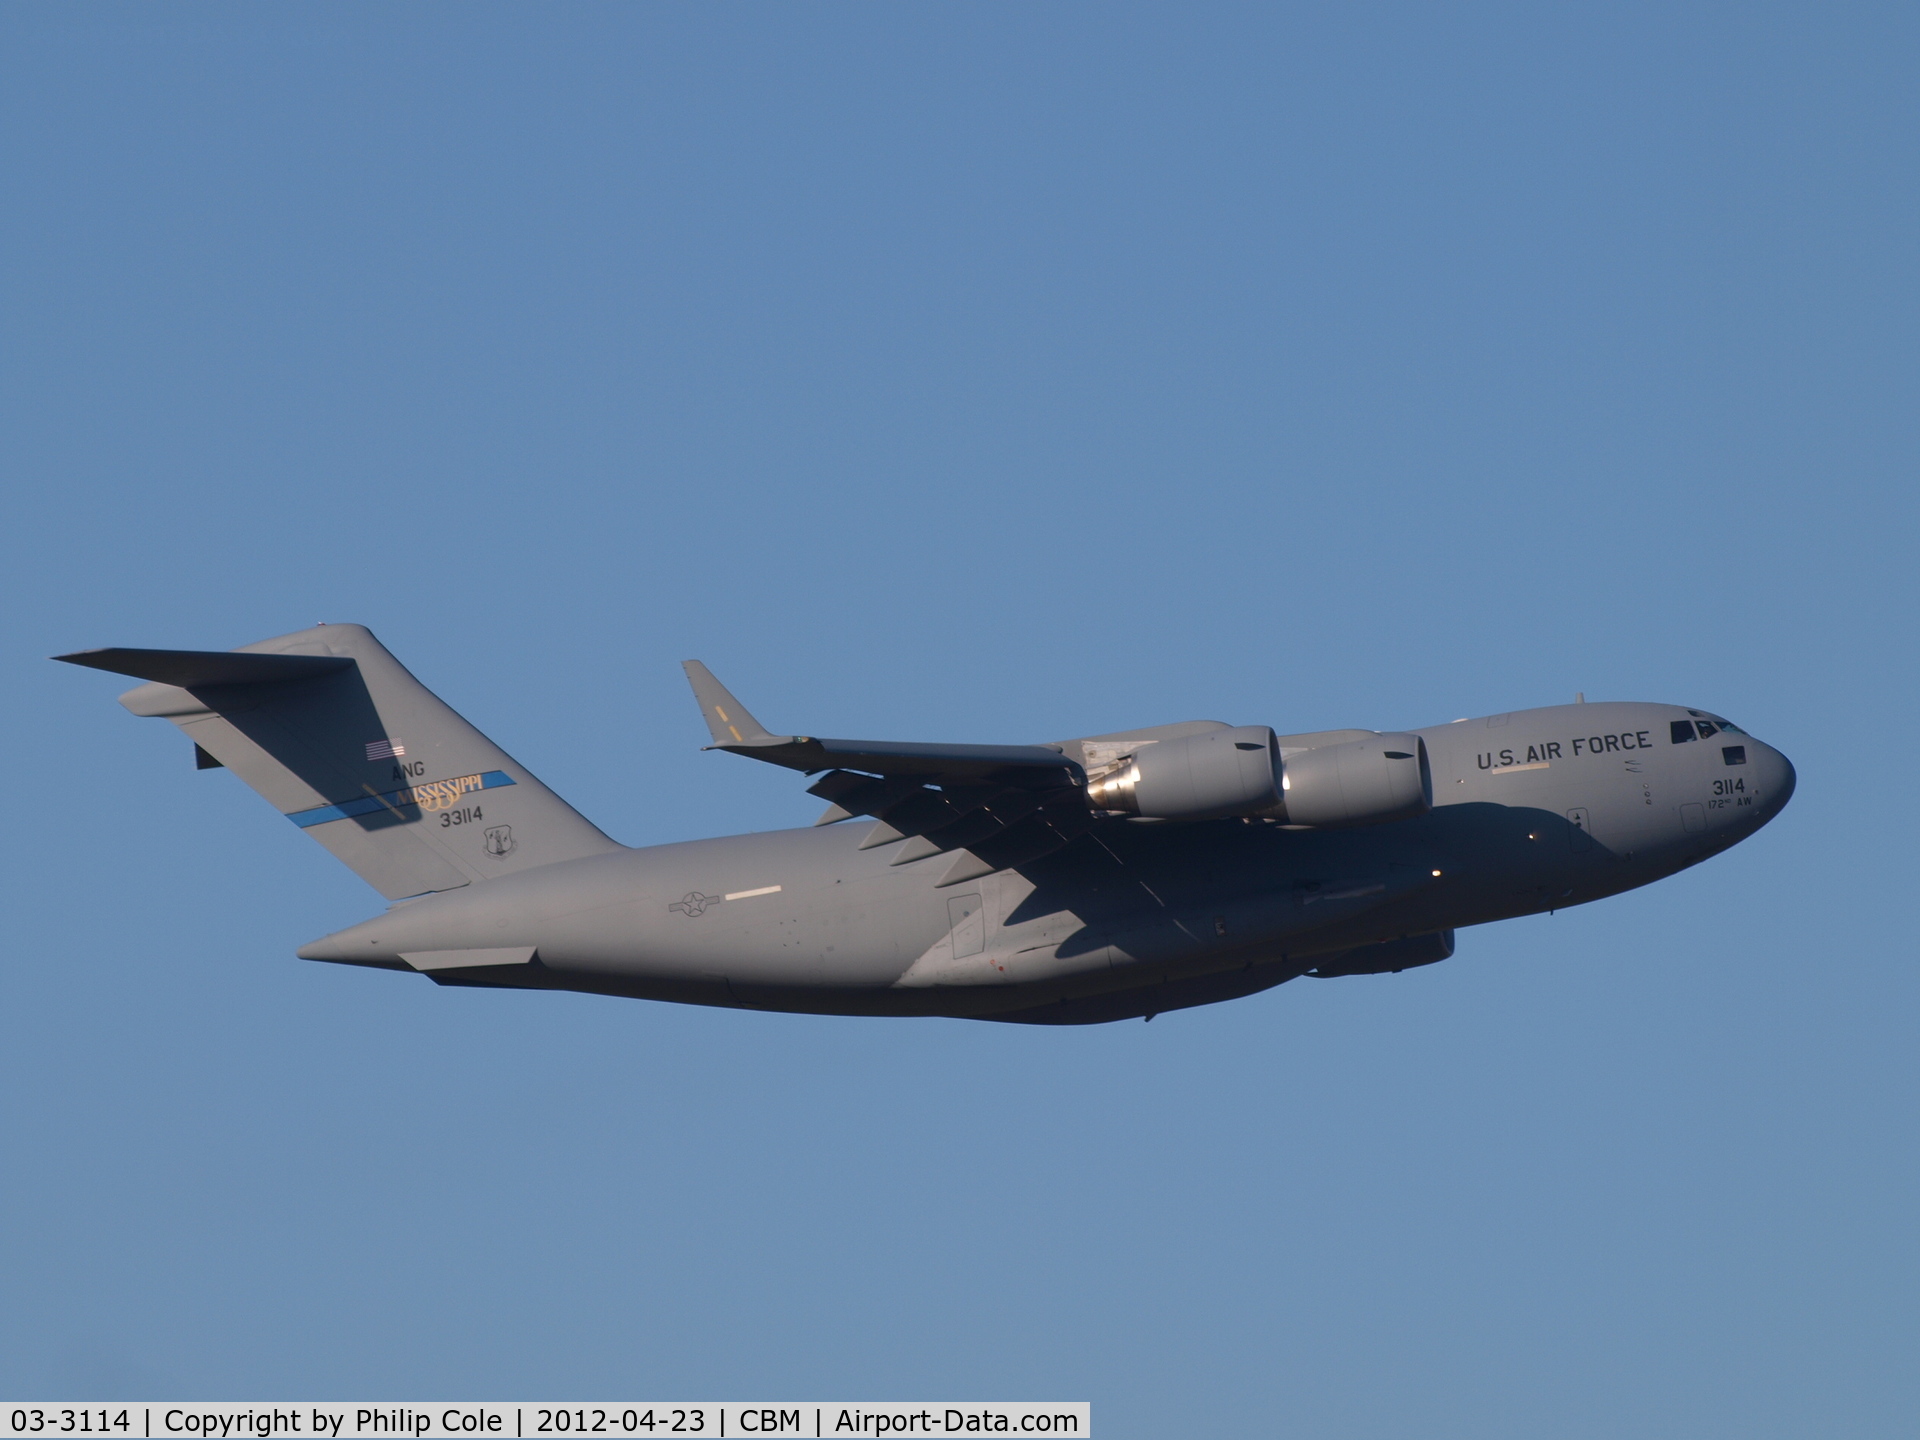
749 894
1509 769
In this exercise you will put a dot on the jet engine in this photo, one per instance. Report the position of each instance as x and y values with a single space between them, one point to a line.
1239 771
1360 782
1196 777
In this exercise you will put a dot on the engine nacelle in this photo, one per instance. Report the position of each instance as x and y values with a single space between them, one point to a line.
1197 777
1361 782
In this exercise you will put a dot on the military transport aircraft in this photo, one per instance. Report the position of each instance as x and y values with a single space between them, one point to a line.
1104 878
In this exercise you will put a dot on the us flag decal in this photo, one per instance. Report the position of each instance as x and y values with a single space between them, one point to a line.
384 749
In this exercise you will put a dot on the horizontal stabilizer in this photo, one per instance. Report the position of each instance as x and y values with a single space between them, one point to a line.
188 668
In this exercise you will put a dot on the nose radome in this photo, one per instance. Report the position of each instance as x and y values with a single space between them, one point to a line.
1777 780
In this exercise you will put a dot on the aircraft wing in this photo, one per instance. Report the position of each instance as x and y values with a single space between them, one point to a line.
987 806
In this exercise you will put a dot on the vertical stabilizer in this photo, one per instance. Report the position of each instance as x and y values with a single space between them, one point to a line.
343 741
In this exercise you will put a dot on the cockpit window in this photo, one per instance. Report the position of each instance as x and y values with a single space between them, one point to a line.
1734 754
1700 729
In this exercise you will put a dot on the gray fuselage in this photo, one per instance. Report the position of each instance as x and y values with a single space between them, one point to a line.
1532 811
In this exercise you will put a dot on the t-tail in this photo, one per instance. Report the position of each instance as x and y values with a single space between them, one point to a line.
342 740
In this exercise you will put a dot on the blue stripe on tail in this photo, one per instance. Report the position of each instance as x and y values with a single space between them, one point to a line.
434 795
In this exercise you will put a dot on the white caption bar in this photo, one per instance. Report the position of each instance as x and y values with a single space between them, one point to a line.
707 1420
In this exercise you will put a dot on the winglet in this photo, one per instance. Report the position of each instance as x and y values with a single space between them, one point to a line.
726 717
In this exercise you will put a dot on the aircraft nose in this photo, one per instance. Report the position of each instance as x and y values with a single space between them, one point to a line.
1777 780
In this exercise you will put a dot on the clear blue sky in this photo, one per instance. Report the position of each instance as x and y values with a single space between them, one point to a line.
980 373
